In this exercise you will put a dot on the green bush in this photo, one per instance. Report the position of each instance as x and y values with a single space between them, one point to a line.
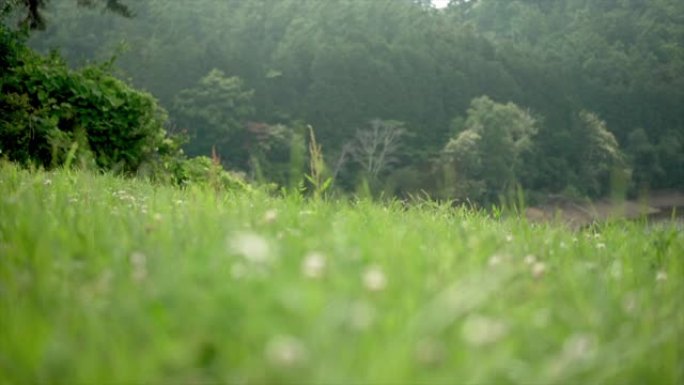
48 110
202 170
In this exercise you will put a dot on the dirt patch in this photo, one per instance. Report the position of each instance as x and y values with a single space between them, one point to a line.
657 206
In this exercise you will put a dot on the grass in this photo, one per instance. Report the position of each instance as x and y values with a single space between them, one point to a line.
104 280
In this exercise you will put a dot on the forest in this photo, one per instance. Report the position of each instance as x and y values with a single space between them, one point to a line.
468 101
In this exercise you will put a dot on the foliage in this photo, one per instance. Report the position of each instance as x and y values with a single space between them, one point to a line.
600 155
32 10
487 154
318 178
171 285
337 65
202 170
47 108
277 153
218 107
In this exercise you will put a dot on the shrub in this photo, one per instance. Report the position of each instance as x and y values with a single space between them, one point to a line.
202 170
48 110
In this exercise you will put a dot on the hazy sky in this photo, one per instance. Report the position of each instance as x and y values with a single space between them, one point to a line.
440 3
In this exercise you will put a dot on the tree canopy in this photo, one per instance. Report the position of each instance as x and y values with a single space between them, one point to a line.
578 69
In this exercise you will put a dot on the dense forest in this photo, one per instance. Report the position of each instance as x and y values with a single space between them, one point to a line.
576 97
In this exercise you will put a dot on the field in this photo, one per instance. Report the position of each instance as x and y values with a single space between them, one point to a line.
107 280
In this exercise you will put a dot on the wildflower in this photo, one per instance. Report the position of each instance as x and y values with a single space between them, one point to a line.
139 263
630 303
47 182
509 238
270 216
285 351
374 279
361 315
238 270
430 352
538 269
314 265
616 270
600 245
157 217
530 259
478 330
541 317
661 276
494 260
253 247
579 346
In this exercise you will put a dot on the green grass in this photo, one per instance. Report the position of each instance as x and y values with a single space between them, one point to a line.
104 280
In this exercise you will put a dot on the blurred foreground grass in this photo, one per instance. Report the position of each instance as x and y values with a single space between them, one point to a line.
104 280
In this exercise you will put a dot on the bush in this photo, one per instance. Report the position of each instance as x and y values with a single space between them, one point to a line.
49 110
202 170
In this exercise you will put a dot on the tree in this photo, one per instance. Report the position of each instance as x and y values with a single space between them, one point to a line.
218 107
33 16
486 156
375 149
600 156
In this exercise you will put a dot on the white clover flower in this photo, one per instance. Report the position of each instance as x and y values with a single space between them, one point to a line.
374 278
579 346
253 247
238 270
590 266
270 216
541 318
661 276
313 265
479 330
600 245
538 269
285 351
47 182
495 260
616 269
361 315
138 261
630 304
509 238
530 259
430 351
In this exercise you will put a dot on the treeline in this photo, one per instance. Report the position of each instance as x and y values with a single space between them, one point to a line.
568 96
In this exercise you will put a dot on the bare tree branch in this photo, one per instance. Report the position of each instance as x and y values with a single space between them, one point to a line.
375 148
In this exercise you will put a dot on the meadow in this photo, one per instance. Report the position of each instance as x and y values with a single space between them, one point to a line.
105 280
